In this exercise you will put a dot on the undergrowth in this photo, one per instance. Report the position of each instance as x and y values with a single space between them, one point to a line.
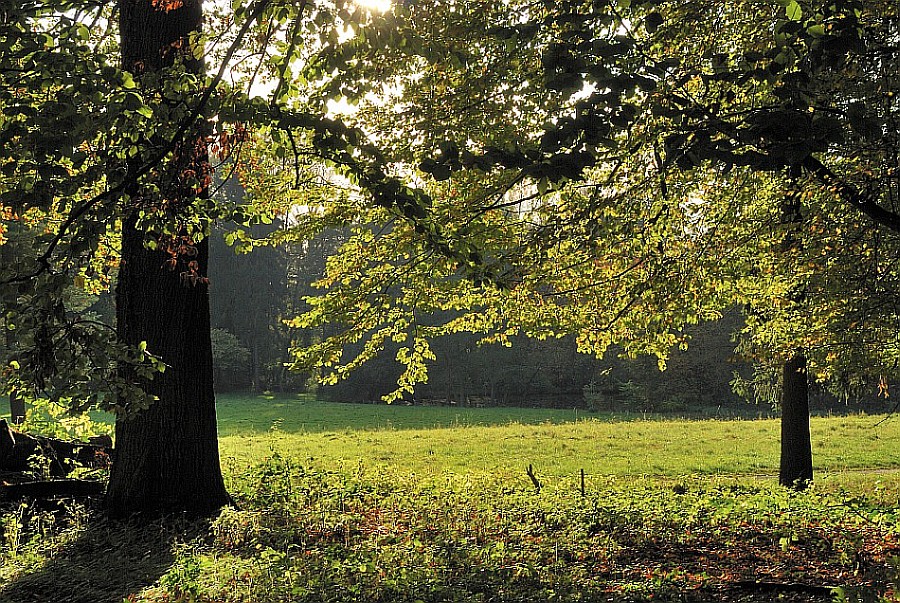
369 534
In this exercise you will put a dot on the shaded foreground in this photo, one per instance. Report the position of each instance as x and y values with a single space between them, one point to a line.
372 535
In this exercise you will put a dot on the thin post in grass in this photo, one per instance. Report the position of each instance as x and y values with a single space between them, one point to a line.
582 481
534 480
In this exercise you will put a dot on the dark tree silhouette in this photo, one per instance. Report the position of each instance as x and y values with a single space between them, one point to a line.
167 456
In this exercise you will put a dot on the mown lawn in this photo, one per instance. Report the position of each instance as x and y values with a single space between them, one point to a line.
558 443
243 413
368 503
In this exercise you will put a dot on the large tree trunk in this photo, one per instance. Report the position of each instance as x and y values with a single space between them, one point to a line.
796 450
167 456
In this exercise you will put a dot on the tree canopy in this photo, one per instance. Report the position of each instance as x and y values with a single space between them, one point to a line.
612 170
635 168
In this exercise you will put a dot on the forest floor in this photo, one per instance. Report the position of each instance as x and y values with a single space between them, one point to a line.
440 509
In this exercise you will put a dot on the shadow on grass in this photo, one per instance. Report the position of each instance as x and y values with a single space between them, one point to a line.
102 560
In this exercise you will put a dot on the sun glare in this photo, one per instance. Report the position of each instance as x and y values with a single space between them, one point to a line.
379 6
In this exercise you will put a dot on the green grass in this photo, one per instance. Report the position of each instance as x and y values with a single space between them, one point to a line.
243 414
431 440
558 443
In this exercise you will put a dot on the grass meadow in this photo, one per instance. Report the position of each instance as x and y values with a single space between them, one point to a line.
376 503
433 440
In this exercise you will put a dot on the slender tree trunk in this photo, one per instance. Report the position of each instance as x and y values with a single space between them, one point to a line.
167 457
16 403
255 307
449 374
796 449
255 376
16 408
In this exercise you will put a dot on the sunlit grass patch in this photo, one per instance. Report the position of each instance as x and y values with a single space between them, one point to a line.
431 440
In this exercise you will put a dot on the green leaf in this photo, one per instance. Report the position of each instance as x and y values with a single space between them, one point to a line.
652 22
793 11
816 31
133 101
441 172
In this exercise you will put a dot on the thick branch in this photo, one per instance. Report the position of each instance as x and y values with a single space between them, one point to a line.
852 195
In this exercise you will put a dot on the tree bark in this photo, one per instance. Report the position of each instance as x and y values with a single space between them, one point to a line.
167 456
16 402
796 449
16 408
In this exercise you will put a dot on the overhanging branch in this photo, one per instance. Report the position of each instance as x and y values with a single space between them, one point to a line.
850 194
